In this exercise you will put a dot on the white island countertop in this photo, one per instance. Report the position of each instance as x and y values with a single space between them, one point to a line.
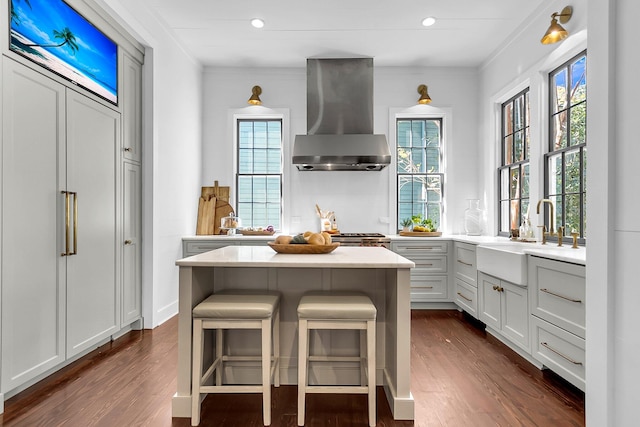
264 256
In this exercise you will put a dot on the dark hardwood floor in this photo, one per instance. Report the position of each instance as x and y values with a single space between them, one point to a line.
460 377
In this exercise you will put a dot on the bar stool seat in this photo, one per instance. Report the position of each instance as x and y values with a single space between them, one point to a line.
337 310
236 310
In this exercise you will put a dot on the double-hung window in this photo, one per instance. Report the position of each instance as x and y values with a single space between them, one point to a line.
420 174
513 174
566 160
259 172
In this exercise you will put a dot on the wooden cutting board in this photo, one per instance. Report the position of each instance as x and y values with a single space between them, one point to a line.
223 209
220 193
206 216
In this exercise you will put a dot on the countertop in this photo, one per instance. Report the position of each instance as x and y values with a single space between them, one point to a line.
264 256
550 250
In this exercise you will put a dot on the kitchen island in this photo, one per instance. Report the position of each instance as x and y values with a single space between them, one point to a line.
376 271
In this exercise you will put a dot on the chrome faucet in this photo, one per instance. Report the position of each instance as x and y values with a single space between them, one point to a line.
540 202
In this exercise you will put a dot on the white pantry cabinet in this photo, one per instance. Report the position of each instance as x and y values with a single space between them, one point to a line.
69 281
131 242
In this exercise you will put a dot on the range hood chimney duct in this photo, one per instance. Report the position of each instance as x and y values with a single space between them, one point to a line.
340 119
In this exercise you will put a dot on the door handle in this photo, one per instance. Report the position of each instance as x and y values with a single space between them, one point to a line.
67 223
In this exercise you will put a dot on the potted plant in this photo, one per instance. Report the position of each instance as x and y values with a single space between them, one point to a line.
406 224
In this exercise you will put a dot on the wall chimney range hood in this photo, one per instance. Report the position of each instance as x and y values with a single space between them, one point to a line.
340 119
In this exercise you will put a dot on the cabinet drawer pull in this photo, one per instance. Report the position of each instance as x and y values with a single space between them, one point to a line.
465 263
462 296
127 149
547 291
420 248
498 288
545 345
127 242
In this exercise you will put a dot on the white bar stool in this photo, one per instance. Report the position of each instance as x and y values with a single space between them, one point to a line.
325 310
236 310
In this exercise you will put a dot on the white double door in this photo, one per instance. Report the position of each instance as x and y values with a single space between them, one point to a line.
55 306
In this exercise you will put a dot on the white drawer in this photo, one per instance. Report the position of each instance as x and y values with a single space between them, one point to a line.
429 264
428 288
465 262
411 248
466 297
560 351
194 248
558 293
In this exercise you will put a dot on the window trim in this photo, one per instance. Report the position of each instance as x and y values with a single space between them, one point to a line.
419 112
261 113
548 153
502 165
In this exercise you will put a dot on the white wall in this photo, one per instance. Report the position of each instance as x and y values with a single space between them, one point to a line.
171 156
613 343
359 199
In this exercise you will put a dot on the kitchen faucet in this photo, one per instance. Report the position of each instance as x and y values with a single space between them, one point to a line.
540 202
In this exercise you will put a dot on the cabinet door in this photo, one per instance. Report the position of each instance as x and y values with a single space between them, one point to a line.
515 314
93 141
465 262
132 109
489 301
131 252
32 271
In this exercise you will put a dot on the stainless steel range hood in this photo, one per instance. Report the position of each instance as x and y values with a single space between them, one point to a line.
340 119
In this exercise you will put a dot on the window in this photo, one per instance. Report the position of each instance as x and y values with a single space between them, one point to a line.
420 174
566 161
259 173
513 174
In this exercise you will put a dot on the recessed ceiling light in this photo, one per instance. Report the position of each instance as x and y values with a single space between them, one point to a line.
257 22
427 22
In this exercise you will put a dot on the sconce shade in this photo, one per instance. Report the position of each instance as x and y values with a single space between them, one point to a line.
255 96
424 95
556 32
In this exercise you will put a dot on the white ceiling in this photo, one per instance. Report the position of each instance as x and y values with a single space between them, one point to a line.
218 32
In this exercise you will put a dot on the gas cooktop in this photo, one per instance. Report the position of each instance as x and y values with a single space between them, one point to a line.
358 235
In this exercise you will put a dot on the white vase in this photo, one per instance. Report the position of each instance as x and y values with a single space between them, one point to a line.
473 216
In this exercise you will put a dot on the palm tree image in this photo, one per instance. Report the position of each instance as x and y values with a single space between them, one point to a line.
67 37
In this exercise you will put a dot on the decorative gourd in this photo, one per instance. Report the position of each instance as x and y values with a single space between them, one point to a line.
298 239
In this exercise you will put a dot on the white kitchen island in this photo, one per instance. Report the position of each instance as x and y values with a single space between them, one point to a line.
376 271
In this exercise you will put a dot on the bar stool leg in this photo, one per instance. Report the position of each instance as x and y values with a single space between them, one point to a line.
219 353
371 357
266 371
303 356
276 349
196 369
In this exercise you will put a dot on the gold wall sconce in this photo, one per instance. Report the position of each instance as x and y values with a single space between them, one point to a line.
556 32
424 95
256 91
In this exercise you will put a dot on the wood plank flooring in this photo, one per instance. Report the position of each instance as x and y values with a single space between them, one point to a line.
461 376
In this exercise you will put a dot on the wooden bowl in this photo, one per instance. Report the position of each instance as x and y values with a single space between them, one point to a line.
421 233
256 233
301 248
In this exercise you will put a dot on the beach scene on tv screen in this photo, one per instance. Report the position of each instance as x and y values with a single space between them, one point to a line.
52 34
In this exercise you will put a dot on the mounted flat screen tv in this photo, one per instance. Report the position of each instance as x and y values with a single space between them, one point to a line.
52 34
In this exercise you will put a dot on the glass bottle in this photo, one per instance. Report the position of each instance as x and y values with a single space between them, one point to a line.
473 218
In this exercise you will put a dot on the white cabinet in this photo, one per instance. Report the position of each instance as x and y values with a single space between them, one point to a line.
33 272
93 138
503 307
558 311
132 109
198 245
429 278
465 277
63 224
131 243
